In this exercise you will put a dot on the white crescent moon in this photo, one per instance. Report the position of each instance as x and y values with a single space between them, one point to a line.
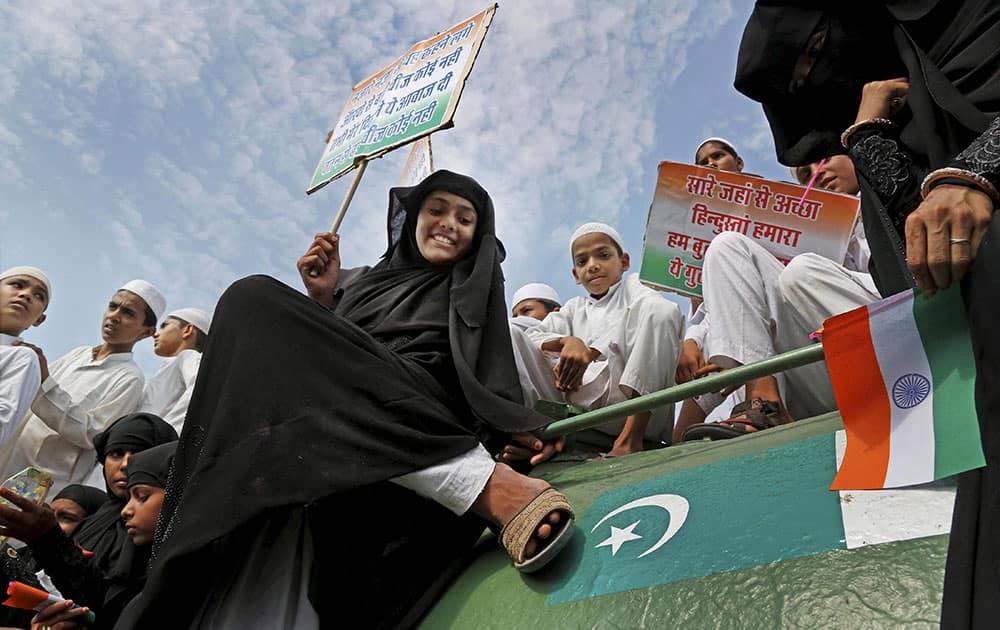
674 504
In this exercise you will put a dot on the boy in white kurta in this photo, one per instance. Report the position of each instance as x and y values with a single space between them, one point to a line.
759 307
532 304
619 341
86 390
24 295
180 339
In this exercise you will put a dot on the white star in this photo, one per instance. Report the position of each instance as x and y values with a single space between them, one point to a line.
619 537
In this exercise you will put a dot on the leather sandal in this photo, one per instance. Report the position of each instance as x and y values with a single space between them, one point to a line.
757 413
521 528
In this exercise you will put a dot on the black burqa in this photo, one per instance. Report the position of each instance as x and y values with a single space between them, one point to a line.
87 497
103 533
950 52
298 405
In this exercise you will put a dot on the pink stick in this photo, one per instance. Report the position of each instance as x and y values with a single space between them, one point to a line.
812 180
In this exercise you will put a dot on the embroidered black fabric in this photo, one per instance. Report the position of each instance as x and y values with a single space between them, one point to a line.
983 155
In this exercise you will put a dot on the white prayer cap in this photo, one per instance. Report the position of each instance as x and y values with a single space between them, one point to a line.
32 272
725 143
149 294
536 291
597 228
196 316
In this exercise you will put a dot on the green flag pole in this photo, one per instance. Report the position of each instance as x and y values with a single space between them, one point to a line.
712 383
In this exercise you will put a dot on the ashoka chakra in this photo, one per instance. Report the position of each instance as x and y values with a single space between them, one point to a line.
910 390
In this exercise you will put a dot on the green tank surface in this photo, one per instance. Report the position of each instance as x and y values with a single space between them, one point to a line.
742 533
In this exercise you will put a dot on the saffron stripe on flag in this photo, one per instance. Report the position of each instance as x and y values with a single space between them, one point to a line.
906 375
852 361
943 330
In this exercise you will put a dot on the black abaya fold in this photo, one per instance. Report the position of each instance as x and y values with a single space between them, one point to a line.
319 409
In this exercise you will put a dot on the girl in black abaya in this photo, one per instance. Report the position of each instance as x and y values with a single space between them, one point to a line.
925 141
305 407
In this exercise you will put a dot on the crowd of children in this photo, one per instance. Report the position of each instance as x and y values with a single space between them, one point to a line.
397 394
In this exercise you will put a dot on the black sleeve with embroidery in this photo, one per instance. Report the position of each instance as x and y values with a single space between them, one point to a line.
888 167
73 574
982 157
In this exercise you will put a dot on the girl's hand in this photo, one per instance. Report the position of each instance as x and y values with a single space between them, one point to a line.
527 446
882 99
573 361
943 235
59 616
30 522
323 260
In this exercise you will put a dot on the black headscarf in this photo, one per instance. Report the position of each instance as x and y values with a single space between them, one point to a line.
404 295
150 467
103 532
953 66
87 497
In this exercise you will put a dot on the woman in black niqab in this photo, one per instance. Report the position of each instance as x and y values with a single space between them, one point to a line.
317 402
949 53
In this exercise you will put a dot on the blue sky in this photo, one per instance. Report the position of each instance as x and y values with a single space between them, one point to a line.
173 141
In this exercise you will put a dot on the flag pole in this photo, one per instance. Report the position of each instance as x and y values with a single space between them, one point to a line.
712 383
358 172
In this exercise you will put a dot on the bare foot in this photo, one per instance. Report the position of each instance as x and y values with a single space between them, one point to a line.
506 494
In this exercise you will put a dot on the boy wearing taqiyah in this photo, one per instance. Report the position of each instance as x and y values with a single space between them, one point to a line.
24 295
619 341
86 390
532 304
180 340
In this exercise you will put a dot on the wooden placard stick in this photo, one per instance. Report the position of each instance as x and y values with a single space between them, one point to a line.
362 165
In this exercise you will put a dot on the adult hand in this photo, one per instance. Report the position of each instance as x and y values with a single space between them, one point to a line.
43 363
943 235
323 259
59 616
690 361
573 361
882 99
29 523
527 446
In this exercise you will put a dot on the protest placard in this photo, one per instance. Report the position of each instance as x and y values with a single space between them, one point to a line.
693 204
419 164
411 97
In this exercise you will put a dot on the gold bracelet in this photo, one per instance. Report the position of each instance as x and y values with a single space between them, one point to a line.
871 122
975 179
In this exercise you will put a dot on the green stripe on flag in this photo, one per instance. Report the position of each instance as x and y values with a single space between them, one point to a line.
941 321
744 511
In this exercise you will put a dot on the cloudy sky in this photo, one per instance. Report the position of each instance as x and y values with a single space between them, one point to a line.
173 141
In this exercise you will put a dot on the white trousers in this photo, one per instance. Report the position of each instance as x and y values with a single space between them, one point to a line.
759 308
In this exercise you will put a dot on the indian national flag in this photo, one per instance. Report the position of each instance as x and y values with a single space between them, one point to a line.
904 376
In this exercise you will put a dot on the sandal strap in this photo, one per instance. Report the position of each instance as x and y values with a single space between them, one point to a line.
518 531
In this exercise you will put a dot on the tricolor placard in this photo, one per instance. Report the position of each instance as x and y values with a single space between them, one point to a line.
904 376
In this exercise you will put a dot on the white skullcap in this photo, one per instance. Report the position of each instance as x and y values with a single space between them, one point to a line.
195 316
597 228
729 145
32 272
149 294
536 291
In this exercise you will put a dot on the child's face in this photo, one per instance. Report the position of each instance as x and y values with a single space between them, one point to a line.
714 155
22 304
141 512
169 339
531 308
69 515
597 265
446 227
123 320
837 175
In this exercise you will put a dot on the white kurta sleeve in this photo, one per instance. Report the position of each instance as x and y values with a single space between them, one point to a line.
188 363
20 378
698 329
78 421
556 325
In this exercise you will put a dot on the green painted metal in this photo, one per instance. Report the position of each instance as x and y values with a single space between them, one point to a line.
881 586
712 383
